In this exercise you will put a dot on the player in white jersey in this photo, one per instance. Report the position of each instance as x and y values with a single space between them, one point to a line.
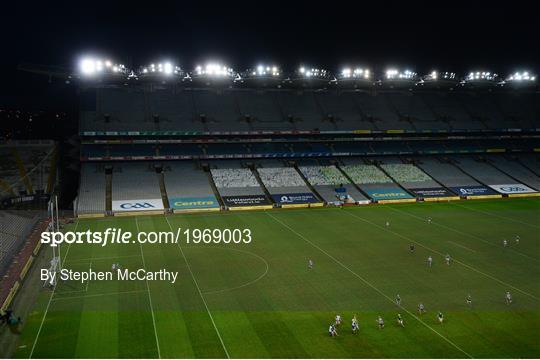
398 300
430 261
429 220
505 243
387 223
354 325
447 258
517 239
469 300
310 264
380 322
338 320
421 308
508 298
332 331
400 320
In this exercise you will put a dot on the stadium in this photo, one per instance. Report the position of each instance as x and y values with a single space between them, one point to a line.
272 211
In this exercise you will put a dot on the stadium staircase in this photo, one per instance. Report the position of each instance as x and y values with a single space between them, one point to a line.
308 184
472 115
22 170
108 191
261 183
437 116
402 117
206 170
363 116
163 190
338 166
376 163
492 164
527 166
279 107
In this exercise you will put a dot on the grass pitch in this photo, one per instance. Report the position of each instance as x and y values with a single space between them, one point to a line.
261 300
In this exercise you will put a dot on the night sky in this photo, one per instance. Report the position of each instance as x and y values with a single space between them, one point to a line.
453 36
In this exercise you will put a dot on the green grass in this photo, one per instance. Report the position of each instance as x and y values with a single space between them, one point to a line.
284 309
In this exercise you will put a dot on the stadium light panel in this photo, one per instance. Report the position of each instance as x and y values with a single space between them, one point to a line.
163 68
87 66
392 74
214 69
312 72
266 70
357 73
521 77
481 75
90 66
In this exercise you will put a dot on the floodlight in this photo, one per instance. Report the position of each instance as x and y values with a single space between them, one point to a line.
481 75
396 74
167 68
213 69
357 73
521 76
87 66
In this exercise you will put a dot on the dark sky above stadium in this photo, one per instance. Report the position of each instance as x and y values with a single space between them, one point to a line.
443 35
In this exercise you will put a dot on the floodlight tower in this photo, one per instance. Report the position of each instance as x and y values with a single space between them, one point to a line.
92 68
212 73
520 79
439 80
395 78
480 79
307 76
161 71
355 78
261 75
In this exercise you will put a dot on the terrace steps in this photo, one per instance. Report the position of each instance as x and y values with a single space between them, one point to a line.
108 192
213 186
163 190
527 167
261 183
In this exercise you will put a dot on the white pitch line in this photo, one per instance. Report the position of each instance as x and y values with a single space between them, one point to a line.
438 252
149 295
461 246
200 293
248 283
495 215
368 283
98 295
104 258
464 233
88 282
50 300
